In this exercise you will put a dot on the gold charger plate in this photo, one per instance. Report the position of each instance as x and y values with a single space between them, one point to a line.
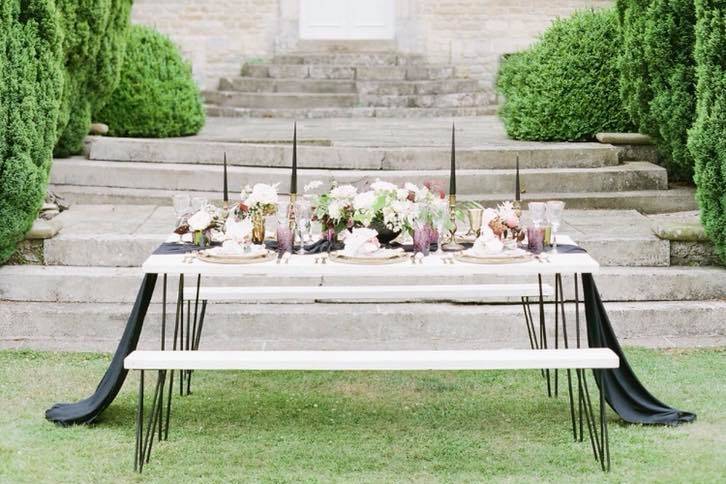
395 258
516 259
236 259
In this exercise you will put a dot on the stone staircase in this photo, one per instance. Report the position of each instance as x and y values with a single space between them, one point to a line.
349 84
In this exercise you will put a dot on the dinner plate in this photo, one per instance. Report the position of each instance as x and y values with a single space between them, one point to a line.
385 256
506 257
249 258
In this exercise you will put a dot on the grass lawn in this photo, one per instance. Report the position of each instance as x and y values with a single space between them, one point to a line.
361 427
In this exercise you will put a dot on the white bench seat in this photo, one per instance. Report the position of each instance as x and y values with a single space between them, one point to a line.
367 293
583 358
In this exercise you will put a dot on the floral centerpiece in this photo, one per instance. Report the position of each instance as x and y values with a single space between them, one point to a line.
203 225
258 202
385 208
334 209
504 223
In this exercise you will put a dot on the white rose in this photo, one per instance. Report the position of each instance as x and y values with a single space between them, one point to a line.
383 186
343 191
488 215
364 201
334 209
411 187
313 185
402 193
199 221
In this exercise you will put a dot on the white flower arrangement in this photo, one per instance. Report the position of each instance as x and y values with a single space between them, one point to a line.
313 185
261 199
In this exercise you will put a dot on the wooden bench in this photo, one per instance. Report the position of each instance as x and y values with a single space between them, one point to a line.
567 359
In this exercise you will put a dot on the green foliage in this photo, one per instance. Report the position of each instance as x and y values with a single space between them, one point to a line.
657 80
30 89
562 88
94 42
707 140
156 96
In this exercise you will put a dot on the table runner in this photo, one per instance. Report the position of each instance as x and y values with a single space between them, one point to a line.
623 391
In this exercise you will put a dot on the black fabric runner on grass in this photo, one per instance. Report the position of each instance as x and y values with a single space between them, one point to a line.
623 391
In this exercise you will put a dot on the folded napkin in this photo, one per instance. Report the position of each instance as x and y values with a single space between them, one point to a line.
487 244
361 242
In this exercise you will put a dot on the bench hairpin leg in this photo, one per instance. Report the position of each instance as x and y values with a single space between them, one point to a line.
605 442
543 330
591 422
163 347
558 302
201 324
168 404
577 336
138 452
181 330
153 417
527 323
569 372
193 334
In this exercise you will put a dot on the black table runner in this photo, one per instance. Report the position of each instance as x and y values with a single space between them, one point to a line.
623 391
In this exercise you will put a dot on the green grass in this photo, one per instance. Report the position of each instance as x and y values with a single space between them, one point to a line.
360 427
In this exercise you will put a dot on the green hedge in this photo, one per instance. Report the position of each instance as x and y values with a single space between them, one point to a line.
94 42
565 86
657 80
707 140
30 90
156 96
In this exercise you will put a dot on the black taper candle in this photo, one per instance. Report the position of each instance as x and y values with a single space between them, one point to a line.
293 177
517 191
452 175
226 185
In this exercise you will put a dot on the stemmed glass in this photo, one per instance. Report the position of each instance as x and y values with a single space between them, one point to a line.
304 224
441 216
182 205
554 216
537 212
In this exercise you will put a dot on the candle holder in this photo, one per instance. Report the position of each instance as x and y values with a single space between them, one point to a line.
452 245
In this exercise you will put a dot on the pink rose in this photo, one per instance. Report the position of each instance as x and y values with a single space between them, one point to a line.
512 222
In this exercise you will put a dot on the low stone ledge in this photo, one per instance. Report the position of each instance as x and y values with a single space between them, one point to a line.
624 138
680 231
43 229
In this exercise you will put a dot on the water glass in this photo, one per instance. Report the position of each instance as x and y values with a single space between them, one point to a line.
537 212
422 240
535 239
554 216
198 203
285 238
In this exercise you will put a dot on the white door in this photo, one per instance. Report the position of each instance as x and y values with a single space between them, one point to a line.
347 19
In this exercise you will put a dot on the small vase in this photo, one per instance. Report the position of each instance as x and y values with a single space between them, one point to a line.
258 229
199 239
422 240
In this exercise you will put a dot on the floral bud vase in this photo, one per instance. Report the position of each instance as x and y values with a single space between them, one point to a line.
258 229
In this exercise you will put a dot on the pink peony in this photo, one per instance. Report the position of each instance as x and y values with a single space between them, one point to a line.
512 222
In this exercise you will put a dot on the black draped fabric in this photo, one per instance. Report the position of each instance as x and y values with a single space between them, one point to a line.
623 391
86 411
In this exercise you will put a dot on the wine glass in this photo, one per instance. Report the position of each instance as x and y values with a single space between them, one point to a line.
554 216
441 216
182 204
198 203
537 213
304 225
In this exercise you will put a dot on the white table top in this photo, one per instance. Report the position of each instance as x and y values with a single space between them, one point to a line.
432 266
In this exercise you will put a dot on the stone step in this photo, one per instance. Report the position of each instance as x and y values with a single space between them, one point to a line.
452 100
491 156
407 88
263 84
645 201
98 327
370 112
173 176
33 283
279 100
425 72
387 58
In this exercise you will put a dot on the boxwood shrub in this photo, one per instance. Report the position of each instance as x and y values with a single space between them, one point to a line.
30 90
565 87
658 75
156 96
94 38
707 140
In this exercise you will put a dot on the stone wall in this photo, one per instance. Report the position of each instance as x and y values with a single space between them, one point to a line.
217 36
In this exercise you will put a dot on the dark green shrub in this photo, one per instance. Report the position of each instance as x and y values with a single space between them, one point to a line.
156 96
707 140
565 86
30 90
657 75
95 32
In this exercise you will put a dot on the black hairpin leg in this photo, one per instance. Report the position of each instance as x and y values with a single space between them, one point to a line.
559 290
577 336
543 331
163 347
144 441
201 324
193 334
529 322
558 302
181 329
